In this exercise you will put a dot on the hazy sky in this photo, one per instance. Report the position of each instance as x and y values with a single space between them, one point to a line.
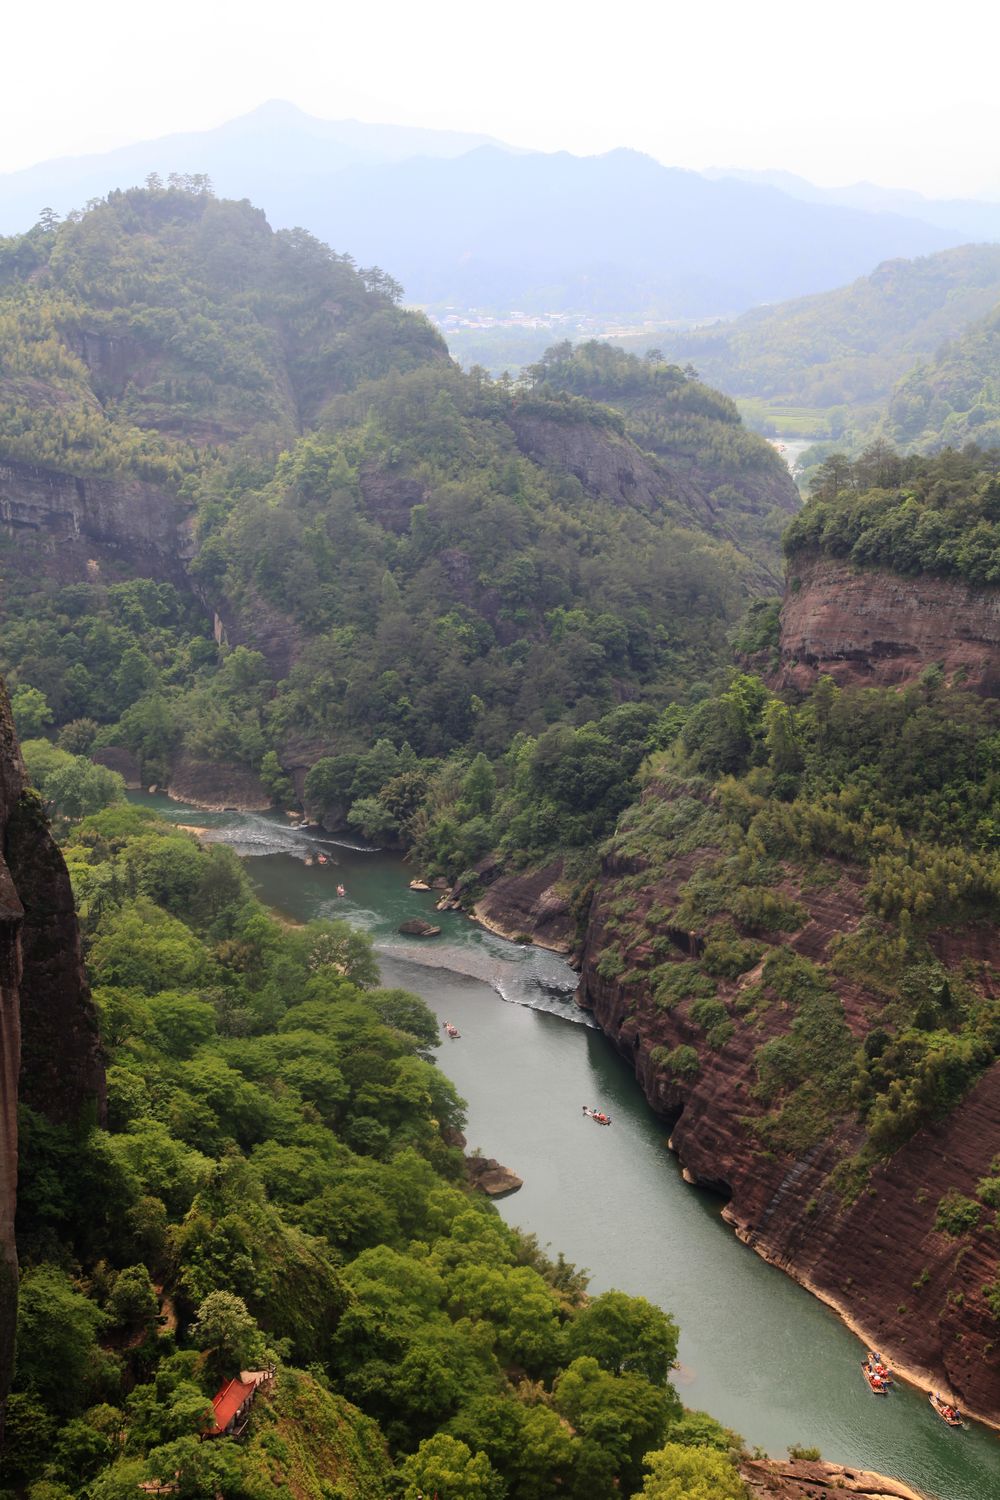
901 94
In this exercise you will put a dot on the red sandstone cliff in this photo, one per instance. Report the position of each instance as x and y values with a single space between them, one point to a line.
533 904
878 1259
880 629
50 1055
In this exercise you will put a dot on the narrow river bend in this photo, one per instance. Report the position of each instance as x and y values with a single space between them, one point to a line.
756 1350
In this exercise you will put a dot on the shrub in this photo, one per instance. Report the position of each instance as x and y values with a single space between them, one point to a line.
956 1214
708 1013
610 964
682 1062
729 956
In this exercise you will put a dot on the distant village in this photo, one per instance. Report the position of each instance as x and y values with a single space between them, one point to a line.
579 324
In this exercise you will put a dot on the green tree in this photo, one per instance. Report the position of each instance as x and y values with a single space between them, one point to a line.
479 785
141 947
625 1333
82 788
224 1326
31 711
681 1473
133 1303
57 1349
275 780
78 736
199 1469
443 1466
620 1416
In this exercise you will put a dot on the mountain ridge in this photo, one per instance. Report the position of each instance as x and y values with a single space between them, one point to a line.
504 229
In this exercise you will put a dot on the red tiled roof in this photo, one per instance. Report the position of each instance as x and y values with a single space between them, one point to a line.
228 1402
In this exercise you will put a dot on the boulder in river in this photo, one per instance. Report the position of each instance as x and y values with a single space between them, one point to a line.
486 1174
419 885
417 927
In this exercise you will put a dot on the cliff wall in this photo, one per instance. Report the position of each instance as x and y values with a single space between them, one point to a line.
870 1249
120 512
50 1055
881 629
216 786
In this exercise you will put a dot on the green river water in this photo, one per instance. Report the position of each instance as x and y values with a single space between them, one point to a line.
756 1350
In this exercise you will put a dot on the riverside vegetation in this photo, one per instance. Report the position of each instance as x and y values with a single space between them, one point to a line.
277 1184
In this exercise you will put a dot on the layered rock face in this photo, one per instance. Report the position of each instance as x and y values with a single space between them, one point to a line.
67 513
881 629
876 1255
217 785
50 1055
533 905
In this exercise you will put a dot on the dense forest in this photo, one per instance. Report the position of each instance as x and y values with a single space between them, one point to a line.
938 515
399 551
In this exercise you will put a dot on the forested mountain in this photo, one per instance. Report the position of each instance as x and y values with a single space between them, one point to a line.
488 227
842 351
691 427
954 398
402 551
167 319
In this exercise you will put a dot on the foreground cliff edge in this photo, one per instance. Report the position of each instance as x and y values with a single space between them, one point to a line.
50 1054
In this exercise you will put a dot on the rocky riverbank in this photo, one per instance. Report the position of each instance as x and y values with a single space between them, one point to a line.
805 1479
528 906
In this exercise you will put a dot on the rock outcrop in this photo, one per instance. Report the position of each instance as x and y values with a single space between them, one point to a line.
881 629
803 1479
217 786
75 522
417 927
528 905
50 1055
487 1175
606 464
873 1254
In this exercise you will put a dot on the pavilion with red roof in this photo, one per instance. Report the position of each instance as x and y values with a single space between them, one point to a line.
231 1405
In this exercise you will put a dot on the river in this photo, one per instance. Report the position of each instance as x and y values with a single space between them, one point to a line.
756 1350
